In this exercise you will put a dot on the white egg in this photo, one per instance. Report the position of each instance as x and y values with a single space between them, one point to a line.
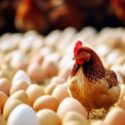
23 115
20 74
17 59
52 38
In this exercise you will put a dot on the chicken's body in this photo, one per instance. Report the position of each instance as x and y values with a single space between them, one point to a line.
28 17
94 94
93 85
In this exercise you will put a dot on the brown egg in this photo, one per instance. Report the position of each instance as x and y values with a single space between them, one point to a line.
9 106
3 98
19 85
57 80
49 67
121 100
46 101
115 117
73 123
20 74
98 122
4 85
35 72
34 91
20 95
2 121
60 92
48 117
38 58
75 116
122 103
53 83
49 89
64 73
70 104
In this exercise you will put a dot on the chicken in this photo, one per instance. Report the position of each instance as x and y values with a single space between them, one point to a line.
119 9
28 17
90 83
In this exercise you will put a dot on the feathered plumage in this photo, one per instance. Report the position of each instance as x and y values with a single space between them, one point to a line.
93 85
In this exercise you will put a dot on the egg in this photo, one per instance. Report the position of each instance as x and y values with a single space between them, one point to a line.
57 80
53 83
48 117
46 101
115 117
4 85
37 58
3 98
20 95
73 123
20 74
75 116
2 121
98 122
22 115
121 100
49 66
64 73
70 104
49 89
35 72
34 91
18 61
19 85
9 106
60 92
113 56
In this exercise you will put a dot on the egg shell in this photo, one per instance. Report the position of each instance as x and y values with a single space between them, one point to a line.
9 106
113 56
2 121
48 117
122 95
53 83
75 116
70 104
98 122
60 92
49 67
19 85
122 92
20 95
115 117
64 73
23 115
18 61
4 85
57 80
37 58
35 72
20 74
73 123
122 103
3 98
49 89
46 101
34 91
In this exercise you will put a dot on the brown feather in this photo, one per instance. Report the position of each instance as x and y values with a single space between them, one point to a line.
93 85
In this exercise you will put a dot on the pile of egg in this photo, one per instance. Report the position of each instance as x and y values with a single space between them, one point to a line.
34 70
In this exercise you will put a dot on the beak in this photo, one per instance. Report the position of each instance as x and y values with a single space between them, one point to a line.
73 58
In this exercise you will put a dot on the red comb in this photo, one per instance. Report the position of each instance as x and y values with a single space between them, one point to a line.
77 46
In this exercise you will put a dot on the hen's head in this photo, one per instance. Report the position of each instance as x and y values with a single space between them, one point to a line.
80 55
